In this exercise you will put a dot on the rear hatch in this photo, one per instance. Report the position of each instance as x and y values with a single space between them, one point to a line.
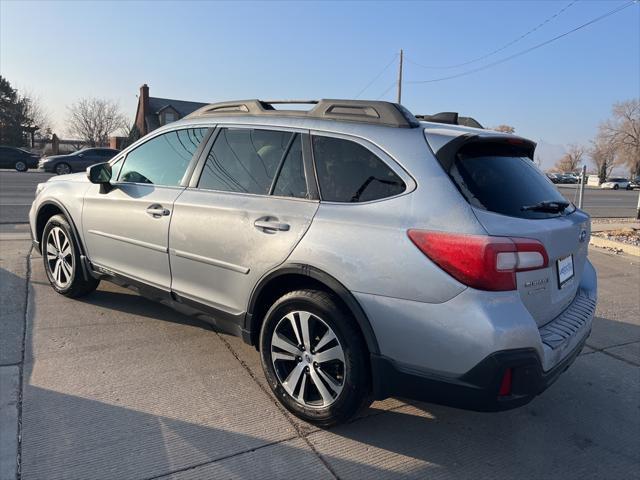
511 197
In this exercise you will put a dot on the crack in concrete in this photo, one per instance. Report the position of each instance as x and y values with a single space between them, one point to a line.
299 432
27 282
613 355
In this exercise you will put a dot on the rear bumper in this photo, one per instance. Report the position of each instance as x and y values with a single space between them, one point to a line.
477 389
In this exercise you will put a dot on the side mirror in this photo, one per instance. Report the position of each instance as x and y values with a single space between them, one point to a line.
100 174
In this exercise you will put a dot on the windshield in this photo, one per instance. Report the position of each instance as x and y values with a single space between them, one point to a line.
509 185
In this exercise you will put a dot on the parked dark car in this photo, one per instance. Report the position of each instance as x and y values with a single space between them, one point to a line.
554 177
76 161
634 183
21 160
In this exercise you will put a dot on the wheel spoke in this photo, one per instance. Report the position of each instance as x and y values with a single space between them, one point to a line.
57 272
335 386
282 356
292 380
324 393
326 338
66 248
67 269
294 326
303 386
304 323
54 236
334 353
51 252
284 344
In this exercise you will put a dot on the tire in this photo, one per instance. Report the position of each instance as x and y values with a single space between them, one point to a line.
615 187
61 257
328 386
629 187
20 166
62 168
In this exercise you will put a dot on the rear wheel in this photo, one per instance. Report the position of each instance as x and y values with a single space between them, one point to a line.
61 257
314 358
20 166
63 169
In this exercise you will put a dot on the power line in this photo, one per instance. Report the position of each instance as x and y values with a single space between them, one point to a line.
530 49
393 84
504 47
377 76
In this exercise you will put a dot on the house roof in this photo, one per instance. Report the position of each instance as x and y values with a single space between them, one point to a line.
184 108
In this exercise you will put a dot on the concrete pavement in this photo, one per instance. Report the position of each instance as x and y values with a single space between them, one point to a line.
115 386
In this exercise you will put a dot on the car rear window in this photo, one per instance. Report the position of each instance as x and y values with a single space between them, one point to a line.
350 173
504 183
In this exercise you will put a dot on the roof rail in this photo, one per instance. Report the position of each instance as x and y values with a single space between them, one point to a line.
450 118
360 111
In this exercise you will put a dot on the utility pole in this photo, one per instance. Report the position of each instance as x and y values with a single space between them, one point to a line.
400 79
583 176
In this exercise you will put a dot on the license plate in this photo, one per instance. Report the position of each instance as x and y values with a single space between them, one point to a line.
565 270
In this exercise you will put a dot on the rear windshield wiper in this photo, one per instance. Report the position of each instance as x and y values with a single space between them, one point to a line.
546 206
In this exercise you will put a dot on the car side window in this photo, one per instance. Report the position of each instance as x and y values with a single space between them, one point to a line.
349 172
164 159
291 181
244 160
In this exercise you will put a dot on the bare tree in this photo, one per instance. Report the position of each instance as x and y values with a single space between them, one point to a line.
94 119
504 129
603 154
623 131
571 160
36 115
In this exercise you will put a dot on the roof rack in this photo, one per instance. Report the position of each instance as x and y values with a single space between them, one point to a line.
360 111
450 118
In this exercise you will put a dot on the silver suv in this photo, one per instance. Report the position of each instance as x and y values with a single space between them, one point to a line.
364 252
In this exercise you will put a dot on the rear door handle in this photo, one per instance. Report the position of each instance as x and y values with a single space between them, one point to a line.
271 225
157 211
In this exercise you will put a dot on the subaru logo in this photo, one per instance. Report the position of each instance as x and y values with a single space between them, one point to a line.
583 236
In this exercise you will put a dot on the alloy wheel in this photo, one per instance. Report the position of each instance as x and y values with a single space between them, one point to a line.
308 359
59 257
63 169
21 166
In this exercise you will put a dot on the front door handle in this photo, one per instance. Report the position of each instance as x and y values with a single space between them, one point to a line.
157 211
271 225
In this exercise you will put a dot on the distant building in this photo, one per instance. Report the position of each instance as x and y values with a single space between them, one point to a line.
153 112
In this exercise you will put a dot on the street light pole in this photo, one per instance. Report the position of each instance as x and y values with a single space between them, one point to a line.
400 78
583 174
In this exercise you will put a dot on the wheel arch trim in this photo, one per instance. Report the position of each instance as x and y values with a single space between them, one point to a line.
329 282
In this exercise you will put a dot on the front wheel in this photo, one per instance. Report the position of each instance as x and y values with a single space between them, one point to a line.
61 257
615 187
314 358
20 166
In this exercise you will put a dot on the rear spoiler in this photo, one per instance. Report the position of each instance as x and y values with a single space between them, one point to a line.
450 118
447 151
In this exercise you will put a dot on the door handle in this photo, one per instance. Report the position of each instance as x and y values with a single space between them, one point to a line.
157 211
271 225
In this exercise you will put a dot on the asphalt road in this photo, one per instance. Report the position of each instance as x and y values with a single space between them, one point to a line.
117 387
17 191
604 203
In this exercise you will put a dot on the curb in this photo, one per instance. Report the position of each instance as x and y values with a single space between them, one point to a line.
604 243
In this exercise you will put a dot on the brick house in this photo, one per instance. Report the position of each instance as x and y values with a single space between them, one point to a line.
153 112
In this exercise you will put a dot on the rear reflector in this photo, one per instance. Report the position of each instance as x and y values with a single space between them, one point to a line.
505 386
481 261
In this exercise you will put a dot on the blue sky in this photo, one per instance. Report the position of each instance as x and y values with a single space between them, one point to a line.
210 51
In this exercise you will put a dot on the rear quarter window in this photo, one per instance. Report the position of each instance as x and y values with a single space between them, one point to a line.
504 183
350 173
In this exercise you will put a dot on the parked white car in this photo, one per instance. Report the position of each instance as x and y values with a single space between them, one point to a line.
616 183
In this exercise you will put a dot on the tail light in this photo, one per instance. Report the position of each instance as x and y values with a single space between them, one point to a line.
480 261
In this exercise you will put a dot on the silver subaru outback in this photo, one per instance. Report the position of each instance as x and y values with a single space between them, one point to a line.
364 251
